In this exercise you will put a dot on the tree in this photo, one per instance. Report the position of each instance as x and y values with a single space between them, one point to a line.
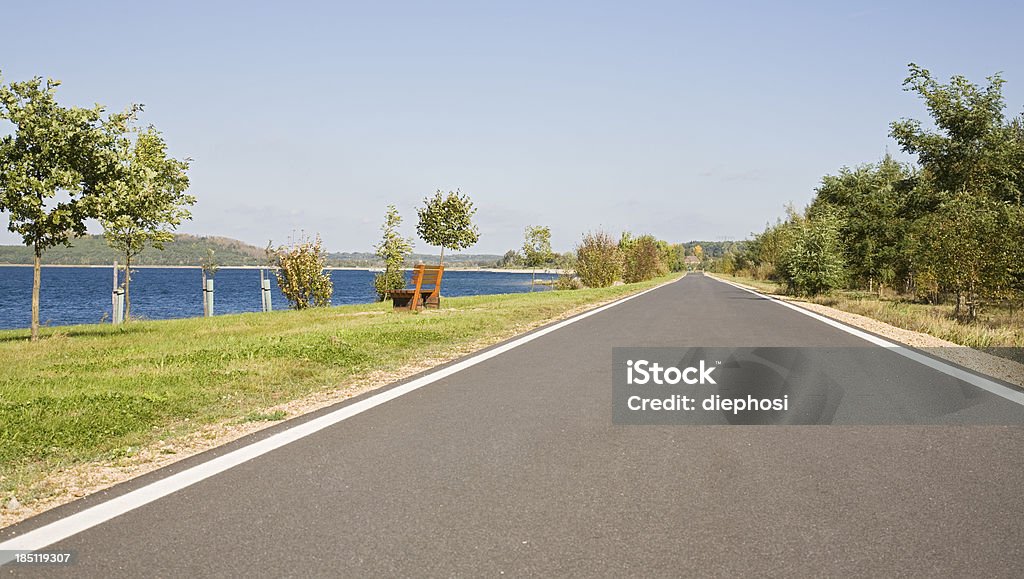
447 222
301 275
598 260
145 202
51 167
393 248
642 260
871 201
537 249
813 263
974 149
510 259
971 176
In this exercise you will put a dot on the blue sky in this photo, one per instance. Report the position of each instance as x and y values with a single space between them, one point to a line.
687 120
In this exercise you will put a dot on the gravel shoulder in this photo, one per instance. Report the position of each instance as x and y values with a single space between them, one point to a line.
1000 368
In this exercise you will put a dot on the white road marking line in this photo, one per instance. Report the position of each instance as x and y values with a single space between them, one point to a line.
948 369
78 522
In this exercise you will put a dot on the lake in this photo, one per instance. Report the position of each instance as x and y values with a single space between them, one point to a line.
81 295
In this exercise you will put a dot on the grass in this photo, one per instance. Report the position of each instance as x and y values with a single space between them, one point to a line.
999 330
88 393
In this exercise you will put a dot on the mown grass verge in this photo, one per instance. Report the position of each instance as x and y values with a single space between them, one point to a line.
997 330
99 392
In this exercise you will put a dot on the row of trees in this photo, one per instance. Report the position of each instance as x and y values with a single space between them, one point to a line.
950 227
63 165
601 260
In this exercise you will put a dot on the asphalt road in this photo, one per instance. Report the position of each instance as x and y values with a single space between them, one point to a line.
514 466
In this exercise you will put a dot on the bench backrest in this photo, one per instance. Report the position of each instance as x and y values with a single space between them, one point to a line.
428 274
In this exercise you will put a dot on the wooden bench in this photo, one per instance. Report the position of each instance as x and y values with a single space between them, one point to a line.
419 296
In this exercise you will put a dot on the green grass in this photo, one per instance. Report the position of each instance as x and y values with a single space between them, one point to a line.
87 393
998 329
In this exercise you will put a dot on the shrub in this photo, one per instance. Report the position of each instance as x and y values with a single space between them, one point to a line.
642 260
568 281
301 275
598 260
813 264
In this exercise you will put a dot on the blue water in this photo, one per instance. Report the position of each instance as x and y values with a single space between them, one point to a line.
81 295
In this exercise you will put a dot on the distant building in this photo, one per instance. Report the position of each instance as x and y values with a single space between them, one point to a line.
691 261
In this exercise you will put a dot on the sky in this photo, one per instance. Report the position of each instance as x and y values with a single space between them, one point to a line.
685 120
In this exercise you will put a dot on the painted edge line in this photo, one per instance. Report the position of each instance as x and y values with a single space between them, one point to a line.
73 524
948 369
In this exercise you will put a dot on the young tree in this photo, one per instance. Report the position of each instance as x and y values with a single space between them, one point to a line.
813 263
146 201
447 221
537 249
51 167
598 260
392 249
301 275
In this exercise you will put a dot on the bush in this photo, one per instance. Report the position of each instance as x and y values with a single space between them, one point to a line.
598 260
642 260
568 281
813 264
301 275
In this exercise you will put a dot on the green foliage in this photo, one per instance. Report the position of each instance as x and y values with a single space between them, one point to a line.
512 258
813 263
598 260
537 246
568 281
144 199
447 221
641 259
537 249
392 249
301 275
209 263
52 166
871 201
973 149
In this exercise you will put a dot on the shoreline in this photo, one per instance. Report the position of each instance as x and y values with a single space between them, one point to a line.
548 271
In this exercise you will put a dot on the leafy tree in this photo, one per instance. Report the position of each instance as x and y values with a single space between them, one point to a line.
51 167
973 149
813 263
447 222
871 200
510 259
968 244
301 275
393 248
537 249
598 260
642 260
145 201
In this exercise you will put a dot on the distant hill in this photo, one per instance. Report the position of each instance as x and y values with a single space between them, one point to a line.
191 250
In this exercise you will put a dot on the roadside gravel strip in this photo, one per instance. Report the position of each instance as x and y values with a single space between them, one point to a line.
982 362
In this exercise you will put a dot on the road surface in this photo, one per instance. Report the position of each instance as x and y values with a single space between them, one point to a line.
514 466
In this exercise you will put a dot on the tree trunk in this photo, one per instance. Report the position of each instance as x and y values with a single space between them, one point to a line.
442 255
533 280
127 282
36 278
